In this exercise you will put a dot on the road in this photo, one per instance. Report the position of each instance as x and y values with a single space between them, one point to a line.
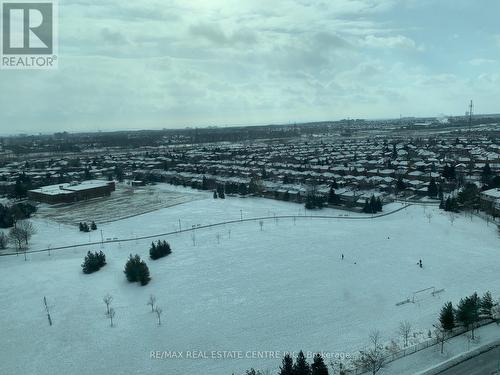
484 364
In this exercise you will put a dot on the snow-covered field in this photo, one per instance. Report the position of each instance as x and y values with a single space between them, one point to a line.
284 288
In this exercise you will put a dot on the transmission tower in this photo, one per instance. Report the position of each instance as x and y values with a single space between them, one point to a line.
471 112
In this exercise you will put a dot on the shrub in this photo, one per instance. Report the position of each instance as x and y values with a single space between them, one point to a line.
159 249
93 262
136 270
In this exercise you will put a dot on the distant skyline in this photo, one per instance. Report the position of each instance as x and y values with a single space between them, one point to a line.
152 64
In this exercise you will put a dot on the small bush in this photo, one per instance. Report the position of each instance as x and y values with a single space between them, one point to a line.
93 226
93 262
136 270
159 249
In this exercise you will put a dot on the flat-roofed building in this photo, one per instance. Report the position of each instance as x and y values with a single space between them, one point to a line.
72 192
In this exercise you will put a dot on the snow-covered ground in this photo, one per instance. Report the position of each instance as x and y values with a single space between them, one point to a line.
284 288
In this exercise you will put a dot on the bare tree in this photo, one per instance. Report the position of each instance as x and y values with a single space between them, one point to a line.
158 311
152 302
428 215
111 315
218 238
405 330
16 236
4 241
261 223
28 230
107 299
441 336
373 358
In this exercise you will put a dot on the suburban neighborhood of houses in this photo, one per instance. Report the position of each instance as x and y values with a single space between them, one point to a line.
387 166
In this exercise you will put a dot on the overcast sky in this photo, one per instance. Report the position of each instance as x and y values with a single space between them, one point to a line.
176 63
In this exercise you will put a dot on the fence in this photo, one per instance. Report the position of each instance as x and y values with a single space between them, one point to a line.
420 346
236 221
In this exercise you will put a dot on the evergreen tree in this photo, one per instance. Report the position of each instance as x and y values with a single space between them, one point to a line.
93 262
332 197
447 317
400 184
486 304
159 250
373 204
379 205
286 367
440 192
486 174
334 184
220 192
215 194
301 367
204 183
394 151
449 172
432 189
81 227
318 366
93 225
468 311
136 270
367 208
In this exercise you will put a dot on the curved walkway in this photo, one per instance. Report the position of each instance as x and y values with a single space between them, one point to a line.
210 226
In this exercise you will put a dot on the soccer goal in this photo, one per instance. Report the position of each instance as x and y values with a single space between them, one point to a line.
422 294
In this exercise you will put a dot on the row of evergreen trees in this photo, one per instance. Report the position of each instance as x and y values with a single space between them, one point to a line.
300 367
372 205
468 313
159 249
93 262
84 227
315 201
